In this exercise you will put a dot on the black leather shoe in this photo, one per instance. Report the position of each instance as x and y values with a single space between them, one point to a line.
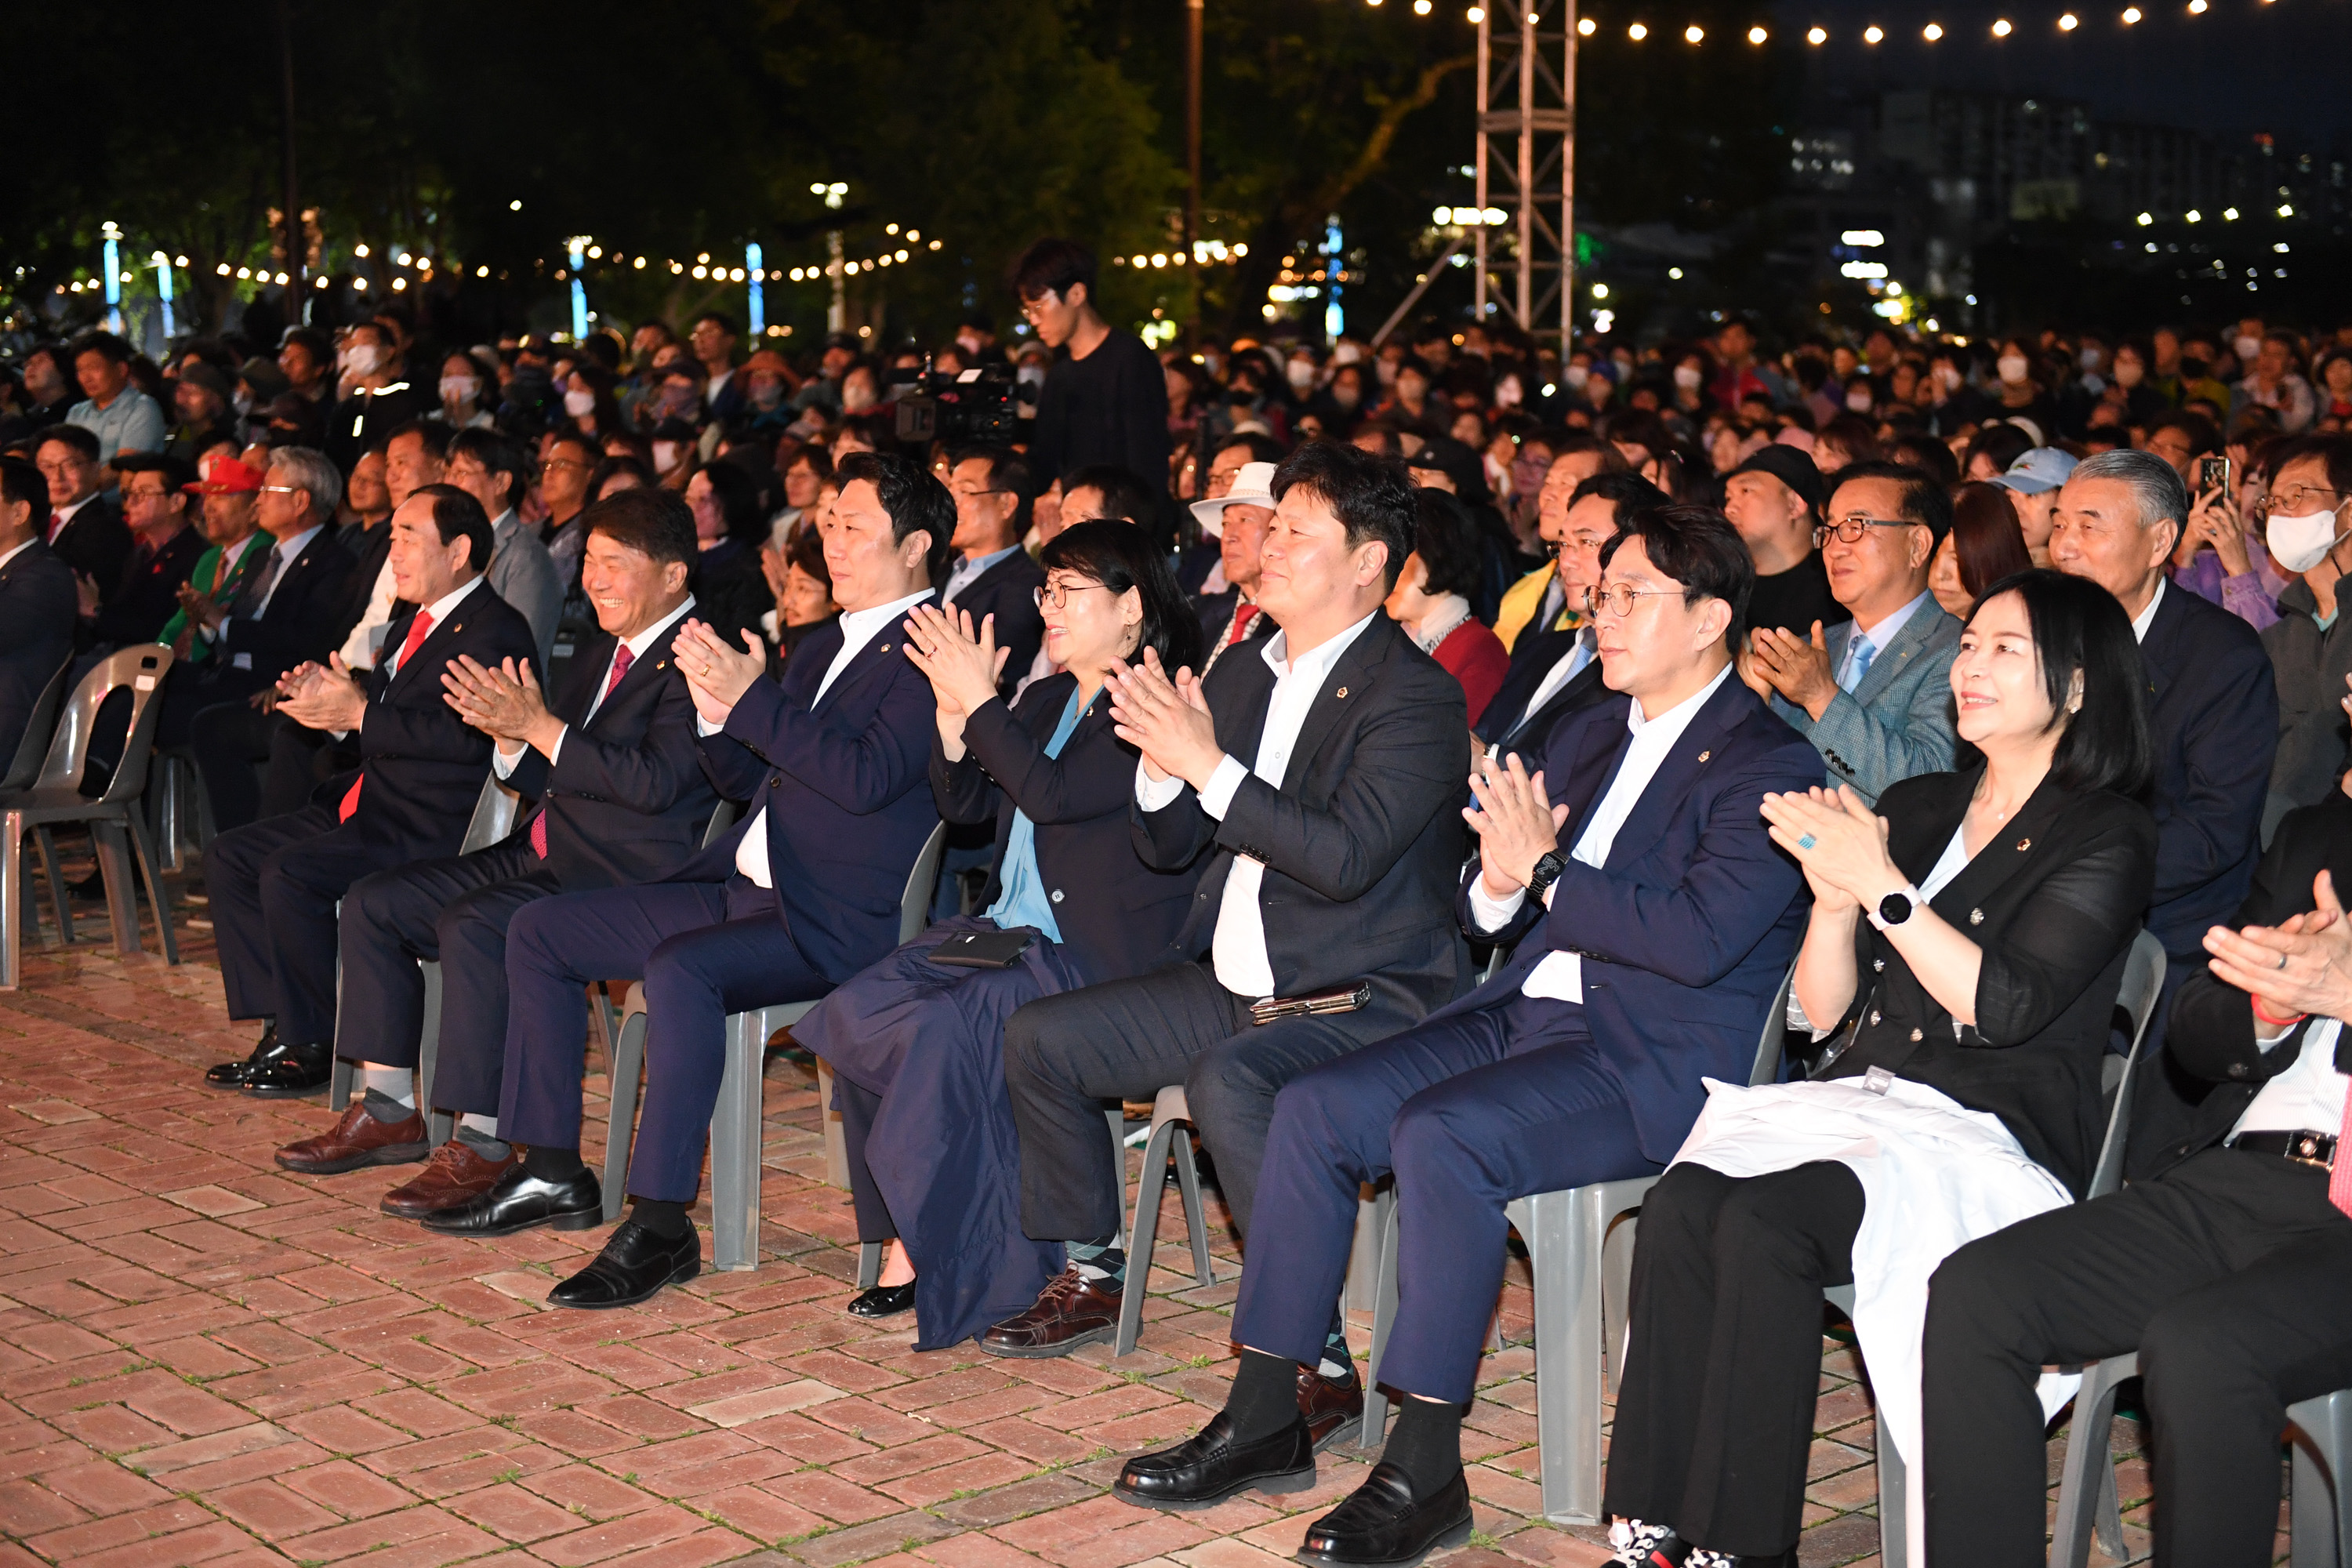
297 1072
232 1074
1381 1524
634 1266
884 1301
1205 1470
519 1200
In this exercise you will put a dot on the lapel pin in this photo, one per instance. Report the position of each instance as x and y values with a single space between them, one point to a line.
2023 845
663 665
1341 694
1703 755
1976 917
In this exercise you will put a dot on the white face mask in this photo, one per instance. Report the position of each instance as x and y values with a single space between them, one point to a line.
575 403
2299 543
2128 372
1508 393
2247 349
364 359
1346 353
242 402
1301 372
1859 400
459 388
1948 376
1576 374
665 456
857 398
2012 368
1686 377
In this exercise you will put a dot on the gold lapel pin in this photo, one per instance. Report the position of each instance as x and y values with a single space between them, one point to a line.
1341 694
1703 755
2023 845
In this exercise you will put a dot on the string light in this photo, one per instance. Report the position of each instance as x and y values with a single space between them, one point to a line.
1873 33
2069 22
1817 35
1757 35
2131 15
2001 29
1693 34
1932 31
1637 32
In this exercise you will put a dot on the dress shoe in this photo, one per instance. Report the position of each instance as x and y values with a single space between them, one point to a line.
634 1266
298 1071
232 1074
458 1173
1333 1408
884 1301
518 1201
1381 1524
1071 1311
357 1139
1204 1471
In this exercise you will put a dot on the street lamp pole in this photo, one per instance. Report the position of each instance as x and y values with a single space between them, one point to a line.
1192 10
298 294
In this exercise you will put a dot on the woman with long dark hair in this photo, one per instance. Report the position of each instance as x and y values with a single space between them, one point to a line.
917 1042
1984 546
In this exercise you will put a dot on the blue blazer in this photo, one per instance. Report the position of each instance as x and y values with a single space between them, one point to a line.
1507 722
1687 930
845 785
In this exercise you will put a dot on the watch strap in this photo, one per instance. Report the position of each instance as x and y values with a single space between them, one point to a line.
1918 901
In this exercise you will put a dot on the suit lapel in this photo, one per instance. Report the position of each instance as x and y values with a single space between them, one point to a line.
1890 661
1679 773
1601 749
2000 854
2155 652
880 653
1350 681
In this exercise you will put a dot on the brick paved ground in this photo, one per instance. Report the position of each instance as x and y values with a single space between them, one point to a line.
205 1360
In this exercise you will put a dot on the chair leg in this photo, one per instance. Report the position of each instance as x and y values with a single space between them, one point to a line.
2321 1501
1384 1310
1143 1233
837 1143
14 905
439 1127
1116 1119
1893 1503
2086 1455
168 816
628 1062
158 895
122 892
869 1265
1196 1225
1564 1234
1364 1256
735 1146
54 871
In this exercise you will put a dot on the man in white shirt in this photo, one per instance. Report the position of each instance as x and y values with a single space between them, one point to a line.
1658 921
833 760
2225 1263
1320 772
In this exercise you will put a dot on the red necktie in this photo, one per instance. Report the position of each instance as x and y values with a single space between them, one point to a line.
2339 1180
1242 615
622 659
418 630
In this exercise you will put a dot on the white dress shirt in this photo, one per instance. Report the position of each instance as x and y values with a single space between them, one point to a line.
505 764
1560 976
2146 618
858 627
1244 966
2309 1096
1566 671
438 610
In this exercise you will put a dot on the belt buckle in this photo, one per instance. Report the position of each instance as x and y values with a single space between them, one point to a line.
2305 1150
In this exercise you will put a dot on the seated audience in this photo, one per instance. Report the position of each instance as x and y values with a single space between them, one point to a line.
1872 693
488 466
1655 934
1775 501
226 514
1430 600
2033 483
37 602
1541 600
1199 569
1103 491
134 607
1970 1014
2310 645
992 576
1984 546
84 530
274 883
803 584
1236 520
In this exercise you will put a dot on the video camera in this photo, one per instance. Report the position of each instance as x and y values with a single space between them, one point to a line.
973 406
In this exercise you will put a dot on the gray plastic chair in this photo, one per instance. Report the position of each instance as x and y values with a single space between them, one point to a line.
32 747
1171 1121
493 819
2143 986
1579 1244
55 797
176 795
735 1122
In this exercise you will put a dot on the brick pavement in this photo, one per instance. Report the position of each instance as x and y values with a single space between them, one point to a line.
205 1360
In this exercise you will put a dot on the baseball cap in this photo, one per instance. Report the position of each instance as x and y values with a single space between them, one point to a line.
227 476
1253 486
1792 468
2038 472
196 373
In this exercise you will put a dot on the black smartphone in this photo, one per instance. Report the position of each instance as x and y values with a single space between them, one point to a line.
2213 474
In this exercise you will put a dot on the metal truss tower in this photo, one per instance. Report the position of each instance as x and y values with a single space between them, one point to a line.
1526 166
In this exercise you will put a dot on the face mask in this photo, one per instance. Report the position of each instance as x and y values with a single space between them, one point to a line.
364 359
969 342
665 456
1575 375
575 403
1948 376
1860 401
1346 396
857 399
2012 368
242 402
2089 359
2128 372
1386 370
1686 377
1508 393
1031 375
2299 543
459 388
1346 353
1301 372
2247 348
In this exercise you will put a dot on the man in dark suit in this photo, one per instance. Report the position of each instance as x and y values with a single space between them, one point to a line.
2225 1263
84 530
834 760
134 606
37 600
274 883
1660 919
992 575
1319 774
621 800
2213 698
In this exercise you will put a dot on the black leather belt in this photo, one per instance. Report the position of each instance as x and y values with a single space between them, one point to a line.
2303 1148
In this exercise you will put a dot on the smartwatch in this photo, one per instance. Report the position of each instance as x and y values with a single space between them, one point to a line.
1547 872
1896 907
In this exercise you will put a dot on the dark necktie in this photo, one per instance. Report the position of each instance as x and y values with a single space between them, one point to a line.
622 659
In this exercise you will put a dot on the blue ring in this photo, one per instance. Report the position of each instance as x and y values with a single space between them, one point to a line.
1806 842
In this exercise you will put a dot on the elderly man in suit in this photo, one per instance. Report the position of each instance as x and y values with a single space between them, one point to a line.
37 600
274 883
1873 694
1657 919
621 799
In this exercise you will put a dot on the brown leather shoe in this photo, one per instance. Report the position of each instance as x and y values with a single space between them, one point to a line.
457 1173
357 1139
1070 1312
1333 1408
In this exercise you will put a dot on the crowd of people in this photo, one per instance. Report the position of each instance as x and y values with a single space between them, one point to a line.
1265 693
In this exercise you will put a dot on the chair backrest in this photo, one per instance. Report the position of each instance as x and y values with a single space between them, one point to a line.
1776 1030
722 818
34 745
915 903
2143 984
139 669
494 815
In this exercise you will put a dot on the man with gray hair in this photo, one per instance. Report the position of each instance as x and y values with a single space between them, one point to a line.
2212 701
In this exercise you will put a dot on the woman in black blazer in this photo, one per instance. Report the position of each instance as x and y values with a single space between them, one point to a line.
1969 940
917 1047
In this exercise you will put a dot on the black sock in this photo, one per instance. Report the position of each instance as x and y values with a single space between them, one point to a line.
552 1164
660 1216
1265 1395
1099 1261
1427 1444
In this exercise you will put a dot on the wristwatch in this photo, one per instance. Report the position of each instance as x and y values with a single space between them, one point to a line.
1547 872
1896 907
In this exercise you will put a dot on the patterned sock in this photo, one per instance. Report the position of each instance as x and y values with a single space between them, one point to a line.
1100 1262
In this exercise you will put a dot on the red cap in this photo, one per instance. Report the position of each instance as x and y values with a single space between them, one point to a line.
227 476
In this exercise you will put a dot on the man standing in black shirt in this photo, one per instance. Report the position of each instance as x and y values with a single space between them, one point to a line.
1774 499
1105 397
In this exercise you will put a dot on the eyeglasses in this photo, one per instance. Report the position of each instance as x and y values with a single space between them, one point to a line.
1851 529
1058 594
2300 501
566 463
281 490
1048 301
961 493
1618 598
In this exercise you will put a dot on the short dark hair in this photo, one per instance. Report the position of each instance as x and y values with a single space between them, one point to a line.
1641 427
2202 437
807 551
1007 470
1697 547
719 318
1119 557
1628 491
1124 495
1372 496
311 341
176 471
655 523
435 436
79 437
116 351
820 462
1920 496
1929 454
738 494
1052 266
458 514
1855 435
1448 543
916 501
22 482
614 468
2079 625
1262 448
1987 542
1999 445
2333 452
495 452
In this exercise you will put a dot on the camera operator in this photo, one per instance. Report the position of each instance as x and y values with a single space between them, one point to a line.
1105 397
